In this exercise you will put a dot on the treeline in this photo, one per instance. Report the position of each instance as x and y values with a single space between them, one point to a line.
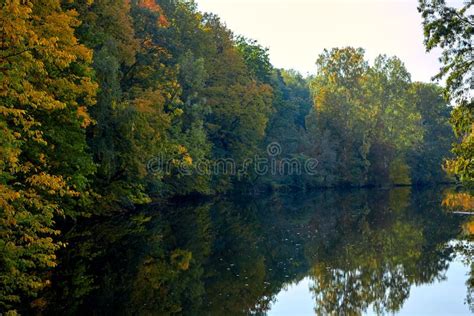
91 91
369 125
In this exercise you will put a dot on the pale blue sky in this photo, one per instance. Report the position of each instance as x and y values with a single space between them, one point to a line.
296 31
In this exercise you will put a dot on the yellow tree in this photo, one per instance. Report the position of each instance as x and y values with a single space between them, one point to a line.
45 89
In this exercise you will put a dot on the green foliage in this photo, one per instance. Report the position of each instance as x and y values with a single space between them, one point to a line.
93 91
369 115
452 29
256 58
426 157
239 105
339 107
462 120
291 104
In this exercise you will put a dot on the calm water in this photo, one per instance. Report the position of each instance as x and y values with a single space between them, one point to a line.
345 253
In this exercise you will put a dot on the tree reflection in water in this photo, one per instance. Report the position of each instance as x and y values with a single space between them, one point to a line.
361 249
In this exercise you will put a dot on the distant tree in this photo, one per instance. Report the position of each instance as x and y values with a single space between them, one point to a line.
395 126
256 58
426 157
368 111
339 107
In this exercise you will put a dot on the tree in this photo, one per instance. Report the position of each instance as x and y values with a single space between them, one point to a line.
339 107
239 105
462 120
107 29
426 157
395 127
452 29
138 101
188 45
291 104
256 58
45 167
364 119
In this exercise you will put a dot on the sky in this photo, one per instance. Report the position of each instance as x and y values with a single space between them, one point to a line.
297 31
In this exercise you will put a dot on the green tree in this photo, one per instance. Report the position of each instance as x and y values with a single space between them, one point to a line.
138 102
256 58
426 157
239 105
291 103
394 121
364 119
107 29
452 29
340 109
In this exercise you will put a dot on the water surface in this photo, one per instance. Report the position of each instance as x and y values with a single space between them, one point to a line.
332 252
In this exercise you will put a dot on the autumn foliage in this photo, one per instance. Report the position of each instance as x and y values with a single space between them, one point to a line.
92 91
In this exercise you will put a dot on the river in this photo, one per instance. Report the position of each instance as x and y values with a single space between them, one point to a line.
365 251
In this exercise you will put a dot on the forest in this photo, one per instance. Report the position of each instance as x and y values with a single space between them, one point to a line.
93 90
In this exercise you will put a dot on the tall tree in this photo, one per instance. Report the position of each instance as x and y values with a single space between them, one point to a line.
189 45
239 105
45 167
452 29
426 157
107 29
339 109
364 119
394 127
